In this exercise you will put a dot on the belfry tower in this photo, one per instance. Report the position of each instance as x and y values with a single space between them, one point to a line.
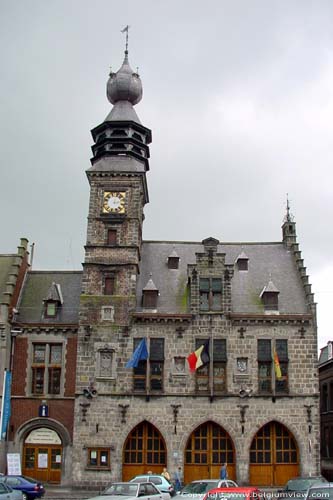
118 194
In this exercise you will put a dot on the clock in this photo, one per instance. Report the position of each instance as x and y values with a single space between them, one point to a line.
114 202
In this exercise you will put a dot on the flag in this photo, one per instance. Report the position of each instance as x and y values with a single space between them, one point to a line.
199 357
140 353
5 406
277 367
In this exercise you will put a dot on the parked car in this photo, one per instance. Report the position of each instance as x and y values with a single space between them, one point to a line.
322 491
160 481
239 493
196 490
132 491
30 488
298 486
7 493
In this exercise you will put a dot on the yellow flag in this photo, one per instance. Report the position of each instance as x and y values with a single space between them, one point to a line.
277 367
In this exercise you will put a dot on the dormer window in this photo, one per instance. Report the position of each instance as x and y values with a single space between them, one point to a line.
270 297
242 262
173 260
150 295
50 309
53 301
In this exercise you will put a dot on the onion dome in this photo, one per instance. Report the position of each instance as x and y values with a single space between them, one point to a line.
124 85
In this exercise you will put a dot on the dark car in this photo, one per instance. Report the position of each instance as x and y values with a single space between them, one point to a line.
298 486
30 488
160 481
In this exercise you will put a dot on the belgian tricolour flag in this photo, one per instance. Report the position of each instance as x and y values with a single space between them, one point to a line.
199 357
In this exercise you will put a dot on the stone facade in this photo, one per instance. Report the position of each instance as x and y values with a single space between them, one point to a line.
230 313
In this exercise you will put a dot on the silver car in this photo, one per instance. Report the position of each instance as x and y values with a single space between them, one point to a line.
196 490
7 493
320 491
132 491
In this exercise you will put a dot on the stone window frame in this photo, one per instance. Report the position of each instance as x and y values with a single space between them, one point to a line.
104 315
106 349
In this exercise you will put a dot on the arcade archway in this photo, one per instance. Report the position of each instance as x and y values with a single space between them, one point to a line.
208 447
273 456
144 450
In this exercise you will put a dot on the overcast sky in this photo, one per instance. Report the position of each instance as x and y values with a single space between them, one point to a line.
238 95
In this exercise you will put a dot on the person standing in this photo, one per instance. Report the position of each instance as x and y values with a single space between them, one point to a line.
178 479
224 472
166 474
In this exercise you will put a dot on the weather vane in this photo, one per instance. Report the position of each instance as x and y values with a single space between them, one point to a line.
125 30
289 217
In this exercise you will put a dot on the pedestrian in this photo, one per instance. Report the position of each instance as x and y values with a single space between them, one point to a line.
166 474
224 471
178 479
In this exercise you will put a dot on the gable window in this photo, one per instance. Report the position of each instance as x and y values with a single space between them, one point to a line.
109 285
149 373
210 290
272 373
218 358
46 369
112 237
98 458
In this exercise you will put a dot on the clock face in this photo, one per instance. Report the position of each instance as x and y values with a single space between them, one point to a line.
114 202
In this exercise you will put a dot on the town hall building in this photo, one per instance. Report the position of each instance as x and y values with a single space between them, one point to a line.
104 352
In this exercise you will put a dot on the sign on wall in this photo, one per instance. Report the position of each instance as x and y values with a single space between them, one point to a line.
14 464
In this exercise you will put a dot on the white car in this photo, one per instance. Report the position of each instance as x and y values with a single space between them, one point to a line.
7 493
132 491
196 490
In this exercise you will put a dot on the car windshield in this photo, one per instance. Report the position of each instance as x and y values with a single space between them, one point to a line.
199 487
320 494
121 489
300 484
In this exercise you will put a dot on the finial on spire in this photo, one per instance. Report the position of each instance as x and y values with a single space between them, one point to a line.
289 216
125 30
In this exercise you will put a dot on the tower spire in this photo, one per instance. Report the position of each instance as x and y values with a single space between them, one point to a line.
288 227
289 216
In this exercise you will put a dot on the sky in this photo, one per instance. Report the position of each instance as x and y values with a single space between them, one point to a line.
238 95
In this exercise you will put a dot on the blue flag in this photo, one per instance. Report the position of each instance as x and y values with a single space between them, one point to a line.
141 352
5 407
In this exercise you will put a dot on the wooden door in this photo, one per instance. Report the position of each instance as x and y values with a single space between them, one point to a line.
273 456
208 447
144 451
43 462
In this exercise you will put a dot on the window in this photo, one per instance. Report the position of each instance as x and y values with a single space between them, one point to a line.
112 237
218 357
269 371
150 375
210 294
109 285
98 458
243 264
50 309
271 301
149 299
264 366
46 369
173 262
324 400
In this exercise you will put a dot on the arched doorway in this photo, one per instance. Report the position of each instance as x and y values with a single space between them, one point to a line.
144 451
42 455
208 447
273 456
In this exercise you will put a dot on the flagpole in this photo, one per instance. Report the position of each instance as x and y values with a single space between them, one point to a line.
273 368
148 369
211 361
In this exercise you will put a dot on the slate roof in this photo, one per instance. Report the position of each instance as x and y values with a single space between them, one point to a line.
325 355
267 261
36 289
6 262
